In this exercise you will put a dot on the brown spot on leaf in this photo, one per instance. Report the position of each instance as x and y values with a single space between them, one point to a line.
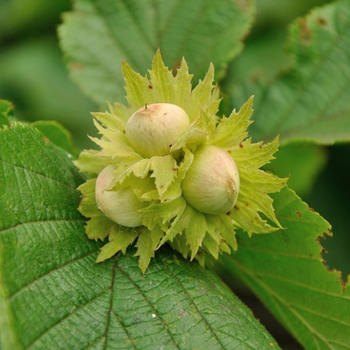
76 66
45 139
244 5
299 214
241 145
255 78
322 21
176 260
305 34
150 87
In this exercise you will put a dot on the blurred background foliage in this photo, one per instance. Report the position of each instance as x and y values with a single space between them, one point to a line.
32 72
33 76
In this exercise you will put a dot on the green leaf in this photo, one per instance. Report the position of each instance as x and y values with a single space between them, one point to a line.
146 246
98 35
32 174
309 101
58 135
38 220
54 296
287 272
232 130
119 240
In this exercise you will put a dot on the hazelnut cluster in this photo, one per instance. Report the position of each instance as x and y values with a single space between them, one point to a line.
169 169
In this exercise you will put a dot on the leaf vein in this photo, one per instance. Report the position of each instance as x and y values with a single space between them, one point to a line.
118 44
150 304
137 25
253 324
199 312
38 174
284 254
10 297
318 69
66 317
110 311
39 222
124 329
306 286
286 303
313 312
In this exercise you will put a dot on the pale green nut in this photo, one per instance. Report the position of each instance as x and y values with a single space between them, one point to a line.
153 129
211 184
120 206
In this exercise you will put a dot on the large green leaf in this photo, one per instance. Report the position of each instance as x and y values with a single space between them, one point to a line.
53 295
309 101
287 272
98 35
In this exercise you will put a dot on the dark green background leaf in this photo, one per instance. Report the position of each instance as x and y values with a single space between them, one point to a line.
24 16
54 296
98 35
286 271
34 78
309 101
331 198
301 162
